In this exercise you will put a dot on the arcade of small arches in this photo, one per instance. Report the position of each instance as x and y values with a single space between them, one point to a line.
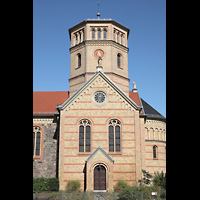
152 133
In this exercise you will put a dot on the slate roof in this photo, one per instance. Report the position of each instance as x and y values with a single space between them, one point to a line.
150 112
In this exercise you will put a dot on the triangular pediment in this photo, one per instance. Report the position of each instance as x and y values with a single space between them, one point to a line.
97 153
106 82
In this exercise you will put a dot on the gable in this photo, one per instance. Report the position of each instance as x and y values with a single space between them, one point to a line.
100 82
98 153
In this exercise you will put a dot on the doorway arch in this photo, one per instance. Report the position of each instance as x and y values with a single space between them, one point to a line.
99 177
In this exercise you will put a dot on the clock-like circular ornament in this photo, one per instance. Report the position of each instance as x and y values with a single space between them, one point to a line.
99 97
98 53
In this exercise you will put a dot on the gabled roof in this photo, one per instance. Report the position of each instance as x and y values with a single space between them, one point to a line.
102 150
108 80
44 103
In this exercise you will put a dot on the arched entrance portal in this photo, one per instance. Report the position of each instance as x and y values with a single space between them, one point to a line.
99 178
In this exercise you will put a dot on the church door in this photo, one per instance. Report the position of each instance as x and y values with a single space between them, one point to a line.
99 178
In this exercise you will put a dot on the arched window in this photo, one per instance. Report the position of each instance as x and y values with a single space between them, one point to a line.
79 60
80 35
119 60
118 37
99 34
93 34
76 38
37 141
155 151
122 39
104 33
114 135
84 135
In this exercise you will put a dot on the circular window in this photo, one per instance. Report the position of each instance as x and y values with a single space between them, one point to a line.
99 97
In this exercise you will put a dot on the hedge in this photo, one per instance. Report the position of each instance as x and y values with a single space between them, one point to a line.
45 184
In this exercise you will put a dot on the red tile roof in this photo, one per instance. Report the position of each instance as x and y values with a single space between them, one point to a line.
135 97
46 102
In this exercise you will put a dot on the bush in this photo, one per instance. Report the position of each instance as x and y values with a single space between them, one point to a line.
137 192
120 185
73 185
45 184
129 193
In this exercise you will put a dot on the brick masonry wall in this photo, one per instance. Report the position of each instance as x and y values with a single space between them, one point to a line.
47 166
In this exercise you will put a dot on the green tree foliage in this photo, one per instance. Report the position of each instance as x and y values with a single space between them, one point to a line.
146 180
159 180
129 193
120 185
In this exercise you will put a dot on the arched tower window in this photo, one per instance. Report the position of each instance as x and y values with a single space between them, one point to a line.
99 34
155 148
37 142
84 135
119 60
114 130
104 33
93 34
76 38
79 60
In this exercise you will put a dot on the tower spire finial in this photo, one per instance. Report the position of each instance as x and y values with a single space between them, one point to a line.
98 13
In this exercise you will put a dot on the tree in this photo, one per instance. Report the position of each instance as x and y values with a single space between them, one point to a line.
146 180
159 180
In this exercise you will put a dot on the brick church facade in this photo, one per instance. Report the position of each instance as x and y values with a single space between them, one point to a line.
99 131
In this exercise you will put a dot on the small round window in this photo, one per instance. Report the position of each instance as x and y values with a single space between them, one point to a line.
99 97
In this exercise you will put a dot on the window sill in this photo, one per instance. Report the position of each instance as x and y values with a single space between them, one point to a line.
114 153
37 157
84 153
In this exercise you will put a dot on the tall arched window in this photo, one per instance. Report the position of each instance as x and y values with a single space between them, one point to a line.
155 151
99 34
114 135
79 60
93 34
76 38
118 60
84 135
122 39
37 142
104 33
118 37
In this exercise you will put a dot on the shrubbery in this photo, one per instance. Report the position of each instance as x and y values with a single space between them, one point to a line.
73 185
45 184
148 184
120 185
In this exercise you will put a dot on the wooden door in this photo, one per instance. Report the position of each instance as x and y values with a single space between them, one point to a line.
99 178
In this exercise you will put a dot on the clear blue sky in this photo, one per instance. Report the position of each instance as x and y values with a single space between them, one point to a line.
146 20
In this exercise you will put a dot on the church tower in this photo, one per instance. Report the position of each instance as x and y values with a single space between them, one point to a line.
94 38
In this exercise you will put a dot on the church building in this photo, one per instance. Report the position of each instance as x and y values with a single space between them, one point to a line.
100 131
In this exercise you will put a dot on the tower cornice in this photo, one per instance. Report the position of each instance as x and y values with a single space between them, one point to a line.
100 43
